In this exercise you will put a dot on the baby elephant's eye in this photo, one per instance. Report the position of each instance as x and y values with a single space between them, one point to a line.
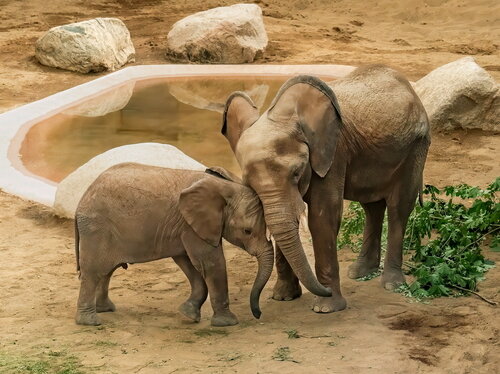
248 231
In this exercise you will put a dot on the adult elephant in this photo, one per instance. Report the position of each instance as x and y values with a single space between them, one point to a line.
366 142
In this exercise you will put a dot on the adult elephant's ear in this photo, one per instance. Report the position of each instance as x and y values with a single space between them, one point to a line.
239 114
202 206
223 173
308 101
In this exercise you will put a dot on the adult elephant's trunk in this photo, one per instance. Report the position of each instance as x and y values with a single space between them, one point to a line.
265 259
283 224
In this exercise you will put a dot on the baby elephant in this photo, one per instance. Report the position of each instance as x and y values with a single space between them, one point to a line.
135 213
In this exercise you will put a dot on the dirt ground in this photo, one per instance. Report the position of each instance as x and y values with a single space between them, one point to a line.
379 332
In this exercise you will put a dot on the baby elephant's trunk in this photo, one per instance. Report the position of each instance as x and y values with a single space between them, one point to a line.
265 260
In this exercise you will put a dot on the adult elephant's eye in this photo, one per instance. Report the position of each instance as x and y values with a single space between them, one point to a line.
248 231
296 175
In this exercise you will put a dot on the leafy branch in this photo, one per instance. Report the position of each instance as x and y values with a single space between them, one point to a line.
444 236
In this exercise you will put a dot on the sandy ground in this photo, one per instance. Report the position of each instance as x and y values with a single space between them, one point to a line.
380 332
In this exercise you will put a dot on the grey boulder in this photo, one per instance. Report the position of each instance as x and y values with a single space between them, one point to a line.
228 35
90 46
460 95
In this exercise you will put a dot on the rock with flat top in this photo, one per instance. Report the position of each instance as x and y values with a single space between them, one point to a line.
90 46
225 35
460 95
71 189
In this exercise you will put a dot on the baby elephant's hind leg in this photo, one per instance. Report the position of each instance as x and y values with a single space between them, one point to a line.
191 307
86 308
94 278
103 302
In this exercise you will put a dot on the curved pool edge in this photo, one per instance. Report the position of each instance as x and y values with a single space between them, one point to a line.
15 179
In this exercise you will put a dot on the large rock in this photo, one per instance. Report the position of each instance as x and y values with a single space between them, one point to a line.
228 35
460 94
71 189
90 46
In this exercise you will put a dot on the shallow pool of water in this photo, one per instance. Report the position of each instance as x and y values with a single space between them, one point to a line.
184 112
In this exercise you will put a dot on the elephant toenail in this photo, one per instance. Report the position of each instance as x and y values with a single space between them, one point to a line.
316 308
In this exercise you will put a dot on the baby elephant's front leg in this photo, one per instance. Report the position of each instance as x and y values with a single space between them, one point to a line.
191 307
210 262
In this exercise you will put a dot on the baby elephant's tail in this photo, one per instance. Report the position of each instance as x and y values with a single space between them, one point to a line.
77 247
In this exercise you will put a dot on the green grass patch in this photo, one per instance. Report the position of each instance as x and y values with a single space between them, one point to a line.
283 354
292 334
105 343
45 363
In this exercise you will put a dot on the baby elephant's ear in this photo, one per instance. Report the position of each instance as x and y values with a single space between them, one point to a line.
202 206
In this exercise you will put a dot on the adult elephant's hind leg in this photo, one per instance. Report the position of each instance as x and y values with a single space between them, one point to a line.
368 260
287 286
398 211
199 291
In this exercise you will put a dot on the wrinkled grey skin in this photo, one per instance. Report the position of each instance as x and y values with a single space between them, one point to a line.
363 138
135 213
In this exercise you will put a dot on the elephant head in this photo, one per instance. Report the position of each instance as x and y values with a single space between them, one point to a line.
279 151
219 206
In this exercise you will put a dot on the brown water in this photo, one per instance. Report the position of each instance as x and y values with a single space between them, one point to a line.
186 113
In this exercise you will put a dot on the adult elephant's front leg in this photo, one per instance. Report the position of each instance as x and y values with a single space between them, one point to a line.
325 212
324 223
287 286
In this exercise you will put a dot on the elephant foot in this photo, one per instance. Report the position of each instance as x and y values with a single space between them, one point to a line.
105 306
392 279
362 267
87 318
328 304
285 290
226 318
190 310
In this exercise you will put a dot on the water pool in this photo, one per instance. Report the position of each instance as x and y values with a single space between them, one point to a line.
185 113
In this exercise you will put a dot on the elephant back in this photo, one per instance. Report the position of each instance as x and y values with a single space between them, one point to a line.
380 108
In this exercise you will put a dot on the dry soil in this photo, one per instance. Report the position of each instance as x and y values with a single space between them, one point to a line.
379 332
